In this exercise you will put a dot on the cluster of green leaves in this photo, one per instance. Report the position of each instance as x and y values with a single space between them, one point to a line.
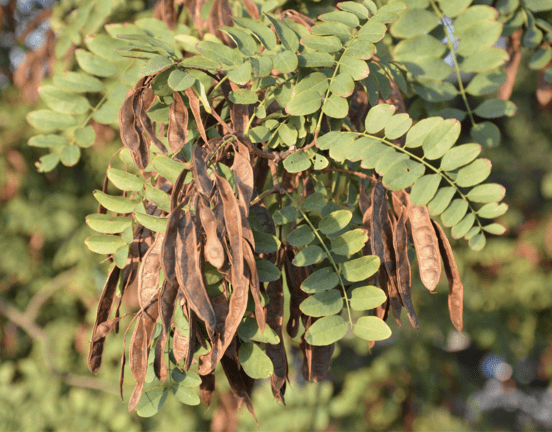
471 33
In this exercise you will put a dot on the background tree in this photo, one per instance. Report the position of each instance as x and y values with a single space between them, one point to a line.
349 405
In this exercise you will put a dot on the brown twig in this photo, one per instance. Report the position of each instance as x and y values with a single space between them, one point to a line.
361 175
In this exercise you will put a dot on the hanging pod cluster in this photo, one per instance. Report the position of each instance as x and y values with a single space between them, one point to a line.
245 176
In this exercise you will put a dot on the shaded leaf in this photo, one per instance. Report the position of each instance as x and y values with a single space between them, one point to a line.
367 297
323 304
326 331
371 328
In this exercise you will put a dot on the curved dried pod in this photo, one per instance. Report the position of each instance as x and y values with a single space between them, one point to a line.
104 310
427 246
202 181
148 274
456 289
177 132
213 250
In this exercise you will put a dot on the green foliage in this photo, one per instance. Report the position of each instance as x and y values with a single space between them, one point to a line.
312 80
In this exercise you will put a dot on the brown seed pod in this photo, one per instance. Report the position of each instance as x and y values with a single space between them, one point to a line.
104 310
148 274
427 246
177 132
456 289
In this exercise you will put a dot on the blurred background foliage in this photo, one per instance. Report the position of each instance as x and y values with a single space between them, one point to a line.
495 375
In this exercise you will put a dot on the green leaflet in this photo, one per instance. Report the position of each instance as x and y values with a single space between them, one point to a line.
78 82
335 107
495 108
424 189
435 91
301 236
372 31
335 221
304 103
316 59
186 395
495 229
45 141
309 256
455 212
287 35
285 61
185 378
414 22
114 203
461 228
326 331
367 297
63 102
84 136
486 82
313 202
419 47
388 160
459 156
267 271
249 330
106 244
325 44
242 74
486 59
70 155
403 174
477 36
285 215
107 224
441 200
397 126
492 210
487 193
322 304
486 133
243 97
48 163
441 138
124 180
180 80
316 81
358 69
321 280
155 64
167 167
158 197
477 242
95 65
347 18
342 31
261 32
374 153
154 223
417 134
371 328
297 162
350 242
356 8
46 119
361 268
474 173
246 44
254 361
265 243
340 146
378 117
151 402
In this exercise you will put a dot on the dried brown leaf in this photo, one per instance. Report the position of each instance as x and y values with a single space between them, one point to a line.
214 251
180 346
456 289
254 285
105 328
234 374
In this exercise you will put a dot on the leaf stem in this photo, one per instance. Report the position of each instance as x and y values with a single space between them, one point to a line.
454 59
315 231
